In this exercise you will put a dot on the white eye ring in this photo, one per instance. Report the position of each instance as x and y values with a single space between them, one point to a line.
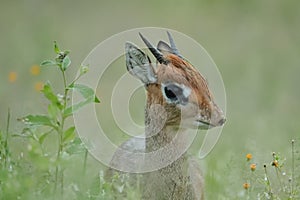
186 90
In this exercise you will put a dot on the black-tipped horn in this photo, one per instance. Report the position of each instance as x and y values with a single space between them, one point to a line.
173 46
154 51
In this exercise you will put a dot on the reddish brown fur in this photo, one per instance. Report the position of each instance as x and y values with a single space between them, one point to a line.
180 71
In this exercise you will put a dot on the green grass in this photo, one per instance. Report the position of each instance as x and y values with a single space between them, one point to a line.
32 174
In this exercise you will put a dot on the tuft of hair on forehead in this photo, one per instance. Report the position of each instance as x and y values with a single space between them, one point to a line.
183 72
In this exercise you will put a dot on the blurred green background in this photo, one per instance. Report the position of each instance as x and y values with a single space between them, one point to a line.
255 44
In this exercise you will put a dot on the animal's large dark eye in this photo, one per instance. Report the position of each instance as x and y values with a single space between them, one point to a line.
170 93
175 93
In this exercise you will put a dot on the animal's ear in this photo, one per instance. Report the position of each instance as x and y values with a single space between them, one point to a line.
139 64
164 47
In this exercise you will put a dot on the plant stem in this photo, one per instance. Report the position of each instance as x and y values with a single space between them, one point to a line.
6 139
59 151
62 183
268 182
56 178
60 138
293 168
76 79
279 179
85 160
65 82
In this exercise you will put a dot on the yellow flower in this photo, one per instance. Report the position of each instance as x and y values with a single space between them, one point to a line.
12 77
246 185
249 156
253 167
35 70
275 163
38 86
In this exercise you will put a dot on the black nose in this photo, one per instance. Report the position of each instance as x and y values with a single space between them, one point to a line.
222 121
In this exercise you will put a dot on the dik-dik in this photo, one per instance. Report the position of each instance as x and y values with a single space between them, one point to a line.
178 99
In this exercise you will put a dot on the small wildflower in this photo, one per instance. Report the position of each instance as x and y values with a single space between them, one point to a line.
246 186
275 163
35 70
38 86
12 77
283 173
249 156
293 141
253 167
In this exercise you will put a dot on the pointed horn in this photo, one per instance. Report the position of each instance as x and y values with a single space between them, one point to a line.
154 51
173 46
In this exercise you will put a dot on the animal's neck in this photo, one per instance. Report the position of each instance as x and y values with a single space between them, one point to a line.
160 134
163 136
157 139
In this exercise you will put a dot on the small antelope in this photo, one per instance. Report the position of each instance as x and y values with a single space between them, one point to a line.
178 99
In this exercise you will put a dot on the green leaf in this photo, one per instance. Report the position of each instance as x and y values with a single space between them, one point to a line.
66 52
49 94
53 111
72 109
43 136
96 100
85 91
37 120
75 147
48 63
26 132
69 134
56 49
65 63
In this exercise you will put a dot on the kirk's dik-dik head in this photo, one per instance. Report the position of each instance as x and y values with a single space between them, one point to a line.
174 84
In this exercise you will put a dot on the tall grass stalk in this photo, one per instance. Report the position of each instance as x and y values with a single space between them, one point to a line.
6 139
293 169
